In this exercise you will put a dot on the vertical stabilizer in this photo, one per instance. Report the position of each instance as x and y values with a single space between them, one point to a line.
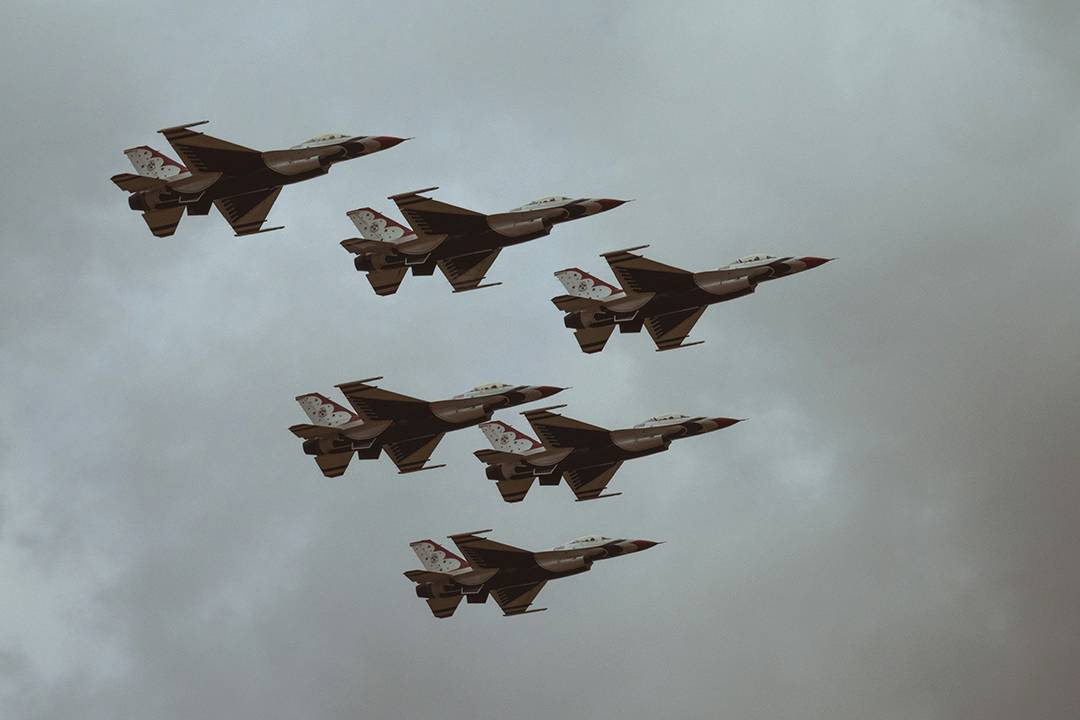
506 439
583 285
373 225
148 162
323 411
435 558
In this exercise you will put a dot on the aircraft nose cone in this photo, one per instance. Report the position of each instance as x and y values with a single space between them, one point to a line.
548 390
388 141
722 422
609 203
644 544
813 262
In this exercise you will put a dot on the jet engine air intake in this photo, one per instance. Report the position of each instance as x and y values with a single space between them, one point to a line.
461 415
642 444
302 166
565 565
523 228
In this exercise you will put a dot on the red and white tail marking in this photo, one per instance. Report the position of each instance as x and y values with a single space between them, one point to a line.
373 225
506 439
435 558
323 411
148 162
581 284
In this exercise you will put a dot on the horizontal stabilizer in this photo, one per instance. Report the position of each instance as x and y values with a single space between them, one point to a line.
386 282
334 464
513 491
592 340
310 432
569 303
163 222
495 457
426 576
130 182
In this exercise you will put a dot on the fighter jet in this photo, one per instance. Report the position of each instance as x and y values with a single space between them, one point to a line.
514 576
242 183
666 300
407 428
462 243
586 455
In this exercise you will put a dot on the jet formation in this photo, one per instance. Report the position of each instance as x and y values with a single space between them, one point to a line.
241 182
585 455
514 577
667 301
462 243
409 429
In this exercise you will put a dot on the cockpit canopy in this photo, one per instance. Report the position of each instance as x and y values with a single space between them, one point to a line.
586 541
663 420
545 202
485 389
753 258
324 139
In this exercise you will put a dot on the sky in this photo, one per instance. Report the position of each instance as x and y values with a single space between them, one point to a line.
892 533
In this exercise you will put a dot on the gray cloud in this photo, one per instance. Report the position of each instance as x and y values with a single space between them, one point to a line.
890 535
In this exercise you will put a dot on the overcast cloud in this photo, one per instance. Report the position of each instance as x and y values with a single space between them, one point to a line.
893 533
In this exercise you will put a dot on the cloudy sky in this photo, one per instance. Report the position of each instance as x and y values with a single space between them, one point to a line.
893 533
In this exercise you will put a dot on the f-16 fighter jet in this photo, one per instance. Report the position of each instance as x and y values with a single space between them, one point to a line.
462 243
242 183
512 575
666 300
586 455
407 428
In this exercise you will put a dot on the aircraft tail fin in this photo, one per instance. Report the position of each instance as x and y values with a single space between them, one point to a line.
581 284
373 225
435 558
506 439
148 162
324 412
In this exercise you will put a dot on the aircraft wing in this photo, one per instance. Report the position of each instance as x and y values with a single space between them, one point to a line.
246 213
466 272
435 220
411 455
206 153
558 431
669 330
484 553
374 403
588 483
639 274
516 600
